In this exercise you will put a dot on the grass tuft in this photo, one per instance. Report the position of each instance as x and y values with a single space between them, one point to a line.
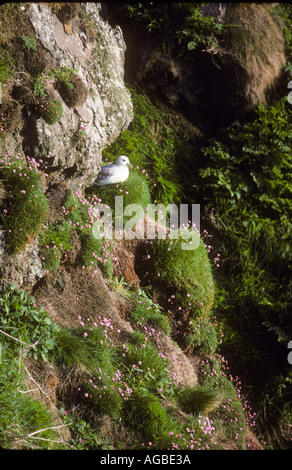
25 205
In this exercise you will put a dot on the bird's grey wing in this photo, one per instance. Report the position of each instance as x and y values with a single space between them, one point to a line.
106 172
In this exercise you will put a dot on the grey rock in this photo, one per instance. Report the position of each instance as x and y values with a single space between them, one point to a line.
99 59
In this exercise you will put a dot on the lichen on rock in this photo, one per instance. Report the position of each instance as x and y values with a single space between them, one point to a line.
107 109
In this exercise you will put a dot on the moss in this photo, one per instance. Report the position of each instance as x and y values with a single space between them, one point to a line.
54 242
184 274
22 417
95 251
25 205
146 312
19 49
66 12
202 336
35 61
72 90
254 48
6 65
197 399
52 111
134 190
29 43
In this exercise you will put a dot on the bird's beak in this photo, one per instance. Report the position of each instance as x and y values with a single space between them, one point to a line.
129 164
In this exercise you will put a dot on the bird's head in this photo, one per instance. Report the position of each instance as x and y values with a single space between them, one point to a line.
122 160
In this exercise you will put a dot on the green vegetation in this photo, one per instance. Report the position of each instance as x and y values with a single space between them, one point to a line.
79 217
198 30
135 190
52 111
186 280
186 274
197 399
66 81
25 207
6 66
146 312
17 42
63 74
203 335
23 323
180 24
247 177
29 43
25 423
214 376
26 331
152 145
53 76
285 12
54 242
128 382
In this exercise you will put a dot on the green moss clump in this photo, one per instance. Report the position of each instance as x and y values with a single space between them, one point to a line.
146 312
198 399
6 65
94 251
76 347
186 274
54 242
145 413
73 90
25 205
10 117
203 335
52 111
233 414
134 190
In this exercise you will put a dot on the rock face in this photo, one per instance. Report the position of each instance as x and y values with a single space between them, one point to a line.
73 145
219 84
246 66
24 269
92 120
173 79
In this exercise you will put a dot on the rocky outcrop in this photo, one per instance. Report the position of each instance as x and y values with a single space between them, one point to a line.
23 269
101 108
246 65
93 116
215 85
98 56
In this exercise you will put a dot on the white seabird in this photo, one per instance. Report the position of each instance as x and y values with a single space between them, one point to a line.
115 173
